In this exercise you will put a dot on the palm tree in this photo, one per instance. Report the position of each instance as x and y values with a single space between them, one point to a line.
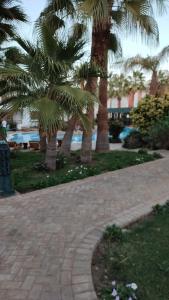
107 15
136 84
118 87
80 77
10 13
151 64
137 15
48 92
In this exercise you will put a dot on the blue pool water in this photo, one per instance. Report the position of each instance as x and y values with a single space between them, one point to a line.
25 137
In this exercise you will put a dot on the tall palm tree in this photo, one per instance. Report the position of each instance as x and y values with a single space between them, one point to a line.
118 87
136 15
151 64
10 13
48 92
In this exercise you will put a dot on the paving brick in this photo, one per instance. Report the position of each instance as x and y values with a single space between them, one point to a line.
35 292
47 237
27 285
82 287
81 279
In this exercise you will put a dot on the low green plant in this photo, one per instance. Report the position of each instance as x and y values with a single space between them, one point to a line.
142 151
113 233
157 155
161 209
120 291
158 134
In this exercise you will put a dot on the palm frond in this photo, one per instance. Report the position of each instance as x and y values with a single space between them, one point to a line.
78 31
147 63
70 98
26 45
9 15
161 6
50 114
86 70
163 55
115 45
96 9
138 18
60 6
51 20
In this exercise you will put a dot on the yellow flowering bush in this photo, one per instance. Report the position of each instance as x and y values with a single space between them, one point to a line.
149 110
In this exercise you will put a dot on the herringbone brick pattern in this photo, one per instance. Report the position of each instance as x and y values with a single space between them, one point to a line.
47 237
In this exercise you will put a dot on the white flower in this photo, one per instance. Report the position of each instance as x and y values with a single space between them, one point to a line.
130 298
117 298
113 282
114 293
134 286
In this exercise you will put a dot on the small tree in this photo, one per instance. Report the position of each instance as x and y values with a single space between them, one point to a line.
43 83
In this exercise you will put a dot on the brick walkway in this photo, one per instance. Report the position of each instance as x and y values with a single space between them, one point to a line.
47 237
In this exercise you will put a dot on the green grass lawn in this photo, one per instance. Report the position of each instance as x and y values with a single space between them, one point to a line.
141 256
27 178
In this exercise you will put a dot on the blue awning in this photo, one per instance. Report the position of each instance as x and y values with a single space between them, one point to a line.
123 110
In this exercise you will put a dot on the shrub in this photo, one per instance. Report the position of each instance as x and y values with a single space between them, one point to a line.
158 135
161 209
115 127
133 141
157 155
149 110
142 151
113 233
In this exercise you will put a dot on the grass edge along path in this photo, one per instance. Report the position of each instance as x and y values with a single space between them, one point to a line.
27 174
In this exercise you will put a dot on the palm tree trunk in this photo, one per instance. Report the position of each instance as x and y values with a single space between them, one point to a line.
131 99
102 37
139 95
119 102
91 86
42 136
99 54
102 143
66 143
86 152
154 84
50 159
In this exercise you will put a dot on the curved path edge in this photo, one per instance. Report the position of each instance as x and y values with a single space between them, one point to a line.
82 282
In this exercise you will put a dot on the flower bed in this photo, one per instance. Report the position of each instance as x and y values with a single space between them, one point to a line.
28 173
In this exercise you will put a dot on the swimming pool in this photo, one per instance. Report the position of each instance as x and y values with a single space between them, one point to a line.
26 137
